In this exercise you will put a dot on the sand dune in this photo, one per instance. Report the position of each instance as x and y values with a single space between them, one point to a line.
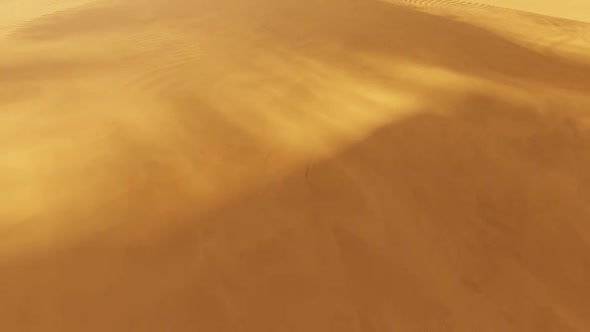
566 35
456 5
568 9
295 165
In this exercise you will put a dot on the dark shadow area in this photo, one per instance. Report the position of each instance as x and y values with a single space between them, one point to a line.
475 221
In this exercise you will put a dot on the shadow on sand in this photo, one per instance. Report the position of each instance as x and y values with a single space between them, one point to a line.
432 222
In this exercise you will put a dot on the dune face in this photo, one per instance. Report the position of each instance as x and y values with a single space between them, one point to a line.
295 165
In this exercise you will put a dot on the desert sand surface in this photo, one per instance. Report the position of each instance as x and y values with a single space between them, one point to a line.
578 10
294 165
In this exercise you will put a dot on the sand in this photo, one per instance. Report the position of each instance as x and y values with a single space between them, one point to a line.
294 165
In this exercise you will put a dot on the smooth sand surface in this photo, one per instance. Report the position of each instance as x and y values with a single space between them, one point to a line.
293 165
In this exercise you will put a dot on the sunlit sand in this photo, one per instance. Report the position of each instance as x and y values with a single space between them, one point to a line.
294 165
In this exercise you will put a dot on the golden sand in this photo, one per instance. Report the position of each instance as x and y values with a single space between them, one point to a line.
294 165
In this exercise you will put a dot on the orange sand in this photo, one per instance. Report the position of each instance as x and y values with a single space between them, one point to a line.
293 165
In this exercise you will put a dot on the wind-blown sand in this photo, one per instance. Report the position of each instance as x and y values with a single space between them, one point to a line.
294 165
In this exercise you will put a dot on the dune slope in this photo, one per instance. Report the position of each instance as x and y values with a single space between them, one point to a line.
335 165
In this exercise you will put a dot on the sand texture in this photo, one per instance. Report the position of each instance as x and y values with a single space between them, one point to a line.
294 165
